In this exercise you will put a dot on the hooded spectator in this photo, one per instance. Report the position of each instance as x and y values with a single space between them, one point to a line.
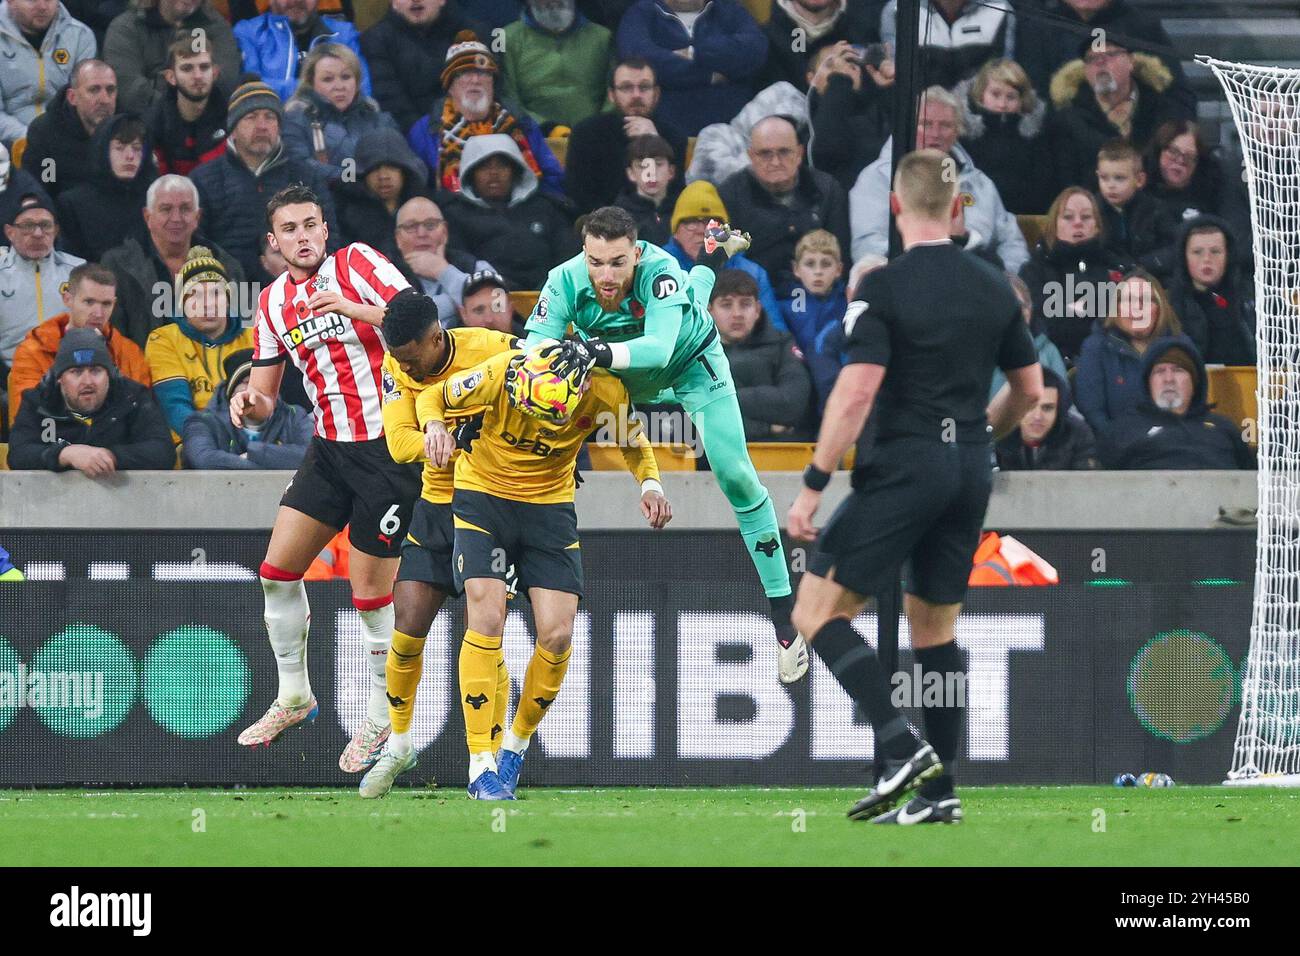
213 442
722 149
32 273
696 205
1111 93
102 423
188 120
956 37
234 187
89 300
423 256
1069 271
470 109
651 190
1212 297
40 45
593 166
388 174
138 40
779 198
329 113
850 105
818 24
772 382
101 214
556 62
406 51
146 267
1051 436
987 221
1046 41
1110 380
276 44
15 184
186 356
501 215
59 151
1172 427
1006 134
706 54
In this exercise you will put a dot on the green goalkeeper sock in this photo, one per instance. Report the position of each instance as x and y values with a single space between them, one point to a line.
762 534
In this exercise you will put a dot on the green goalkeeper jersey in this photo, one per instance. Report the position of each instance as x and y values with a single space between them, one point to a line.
664 321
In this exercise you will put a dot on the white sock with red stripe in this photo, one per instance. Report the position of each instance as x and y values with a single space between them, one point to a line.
377 623
288 619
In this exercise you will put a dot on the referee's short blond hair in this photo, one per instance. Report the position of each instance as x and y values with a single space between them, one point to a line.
926 182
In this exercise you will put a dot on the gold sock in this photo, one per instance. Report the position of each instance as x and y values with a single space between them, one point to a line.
402 674
541 684
501 702
479 654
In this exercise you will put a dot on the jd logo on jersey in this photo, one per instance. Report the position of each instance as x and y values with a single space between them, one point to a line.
665 286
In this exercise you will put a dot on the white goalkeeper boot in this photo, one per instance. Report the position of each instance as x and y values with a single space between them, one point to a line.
792 661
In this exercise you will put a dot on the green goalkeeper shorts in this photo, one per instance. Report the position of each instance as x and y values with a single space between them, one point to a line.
705 380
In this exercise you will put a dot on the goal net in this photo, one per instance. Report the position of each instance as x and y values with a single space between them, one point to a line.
1265 103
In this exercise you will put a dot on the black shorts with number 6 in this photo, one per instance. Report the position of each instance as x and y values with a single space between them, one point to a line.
427 550
358 484
540 542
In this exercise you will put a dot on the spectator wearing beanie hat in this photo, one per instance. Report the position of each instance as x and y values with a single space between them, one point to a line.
698 203
213 441
186 356
1173 427
471 108
234 187
103 423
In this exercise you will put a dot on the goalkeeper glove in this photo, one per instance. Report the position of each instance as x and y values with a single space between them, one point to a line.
578 356
720 244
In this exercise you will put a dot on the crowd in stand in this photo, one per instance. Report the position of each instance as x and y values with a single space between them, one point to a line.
140 141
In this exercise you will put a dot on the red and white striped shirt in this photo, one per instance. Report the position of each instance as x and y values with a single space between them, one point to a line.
340 359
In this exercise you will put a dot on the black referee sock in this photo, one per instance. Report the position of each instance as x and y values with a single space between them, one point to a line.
857 667
943 720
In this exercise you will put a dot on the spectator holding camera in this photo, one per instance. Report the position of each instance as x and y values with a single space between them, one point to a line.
798 30
1006 135
772 382
850 109
1069 270
214 442
1110 380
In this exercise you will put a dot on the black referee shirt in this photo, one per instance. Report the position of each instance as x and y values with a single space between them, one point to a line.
939 319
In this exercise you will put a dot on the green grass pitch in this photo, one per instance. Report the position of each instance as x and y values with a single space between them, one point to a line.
1033 826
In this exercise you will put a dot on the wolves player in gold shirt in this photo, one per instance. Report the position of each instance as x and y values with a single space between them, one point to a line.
513 505
422 355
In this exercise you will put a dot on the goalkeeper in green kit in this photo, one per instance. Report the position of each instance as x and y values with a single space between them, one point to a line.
637 314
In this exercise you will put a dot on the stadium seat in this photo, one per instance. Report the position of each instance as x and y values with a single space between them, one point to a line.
780 455
1031 227
1232 392
523 302
4 456
760 10
16 152
608 457
690 152
559 146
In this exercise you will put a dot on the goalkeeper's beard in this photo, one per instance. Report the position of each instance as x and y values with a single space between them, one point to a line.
612 304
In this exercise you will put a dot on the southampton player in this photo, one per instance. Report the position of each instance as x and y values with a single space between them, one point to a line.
322 314
641 317
940 320
513 507
421 355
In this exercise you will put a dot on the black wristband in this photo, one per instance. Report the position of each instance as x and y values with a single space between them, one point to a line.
815 479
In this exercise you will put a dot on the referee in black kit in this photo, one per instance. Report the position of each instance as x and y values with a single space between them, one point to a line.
923 334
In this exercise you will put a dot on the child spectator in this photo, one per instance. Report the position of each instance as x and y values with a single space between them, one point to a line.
1069 270
651 191
1051 436
772 382
213 441
1214 302
1128 213
1110 382
1006 135
815 307
101 214
185 356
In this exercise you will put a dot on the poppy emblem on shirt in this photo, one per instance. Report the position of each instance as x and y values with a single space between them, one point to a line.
61 56
1220 301
638 310
1114 274
1119 379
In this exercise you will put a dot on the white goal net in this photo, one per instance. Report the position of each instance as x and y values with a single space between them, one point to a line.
1265 104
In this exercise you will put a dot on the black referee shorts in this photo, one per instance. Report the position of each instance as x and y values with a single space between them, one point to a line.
356 483
920 501
427 550
498 536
